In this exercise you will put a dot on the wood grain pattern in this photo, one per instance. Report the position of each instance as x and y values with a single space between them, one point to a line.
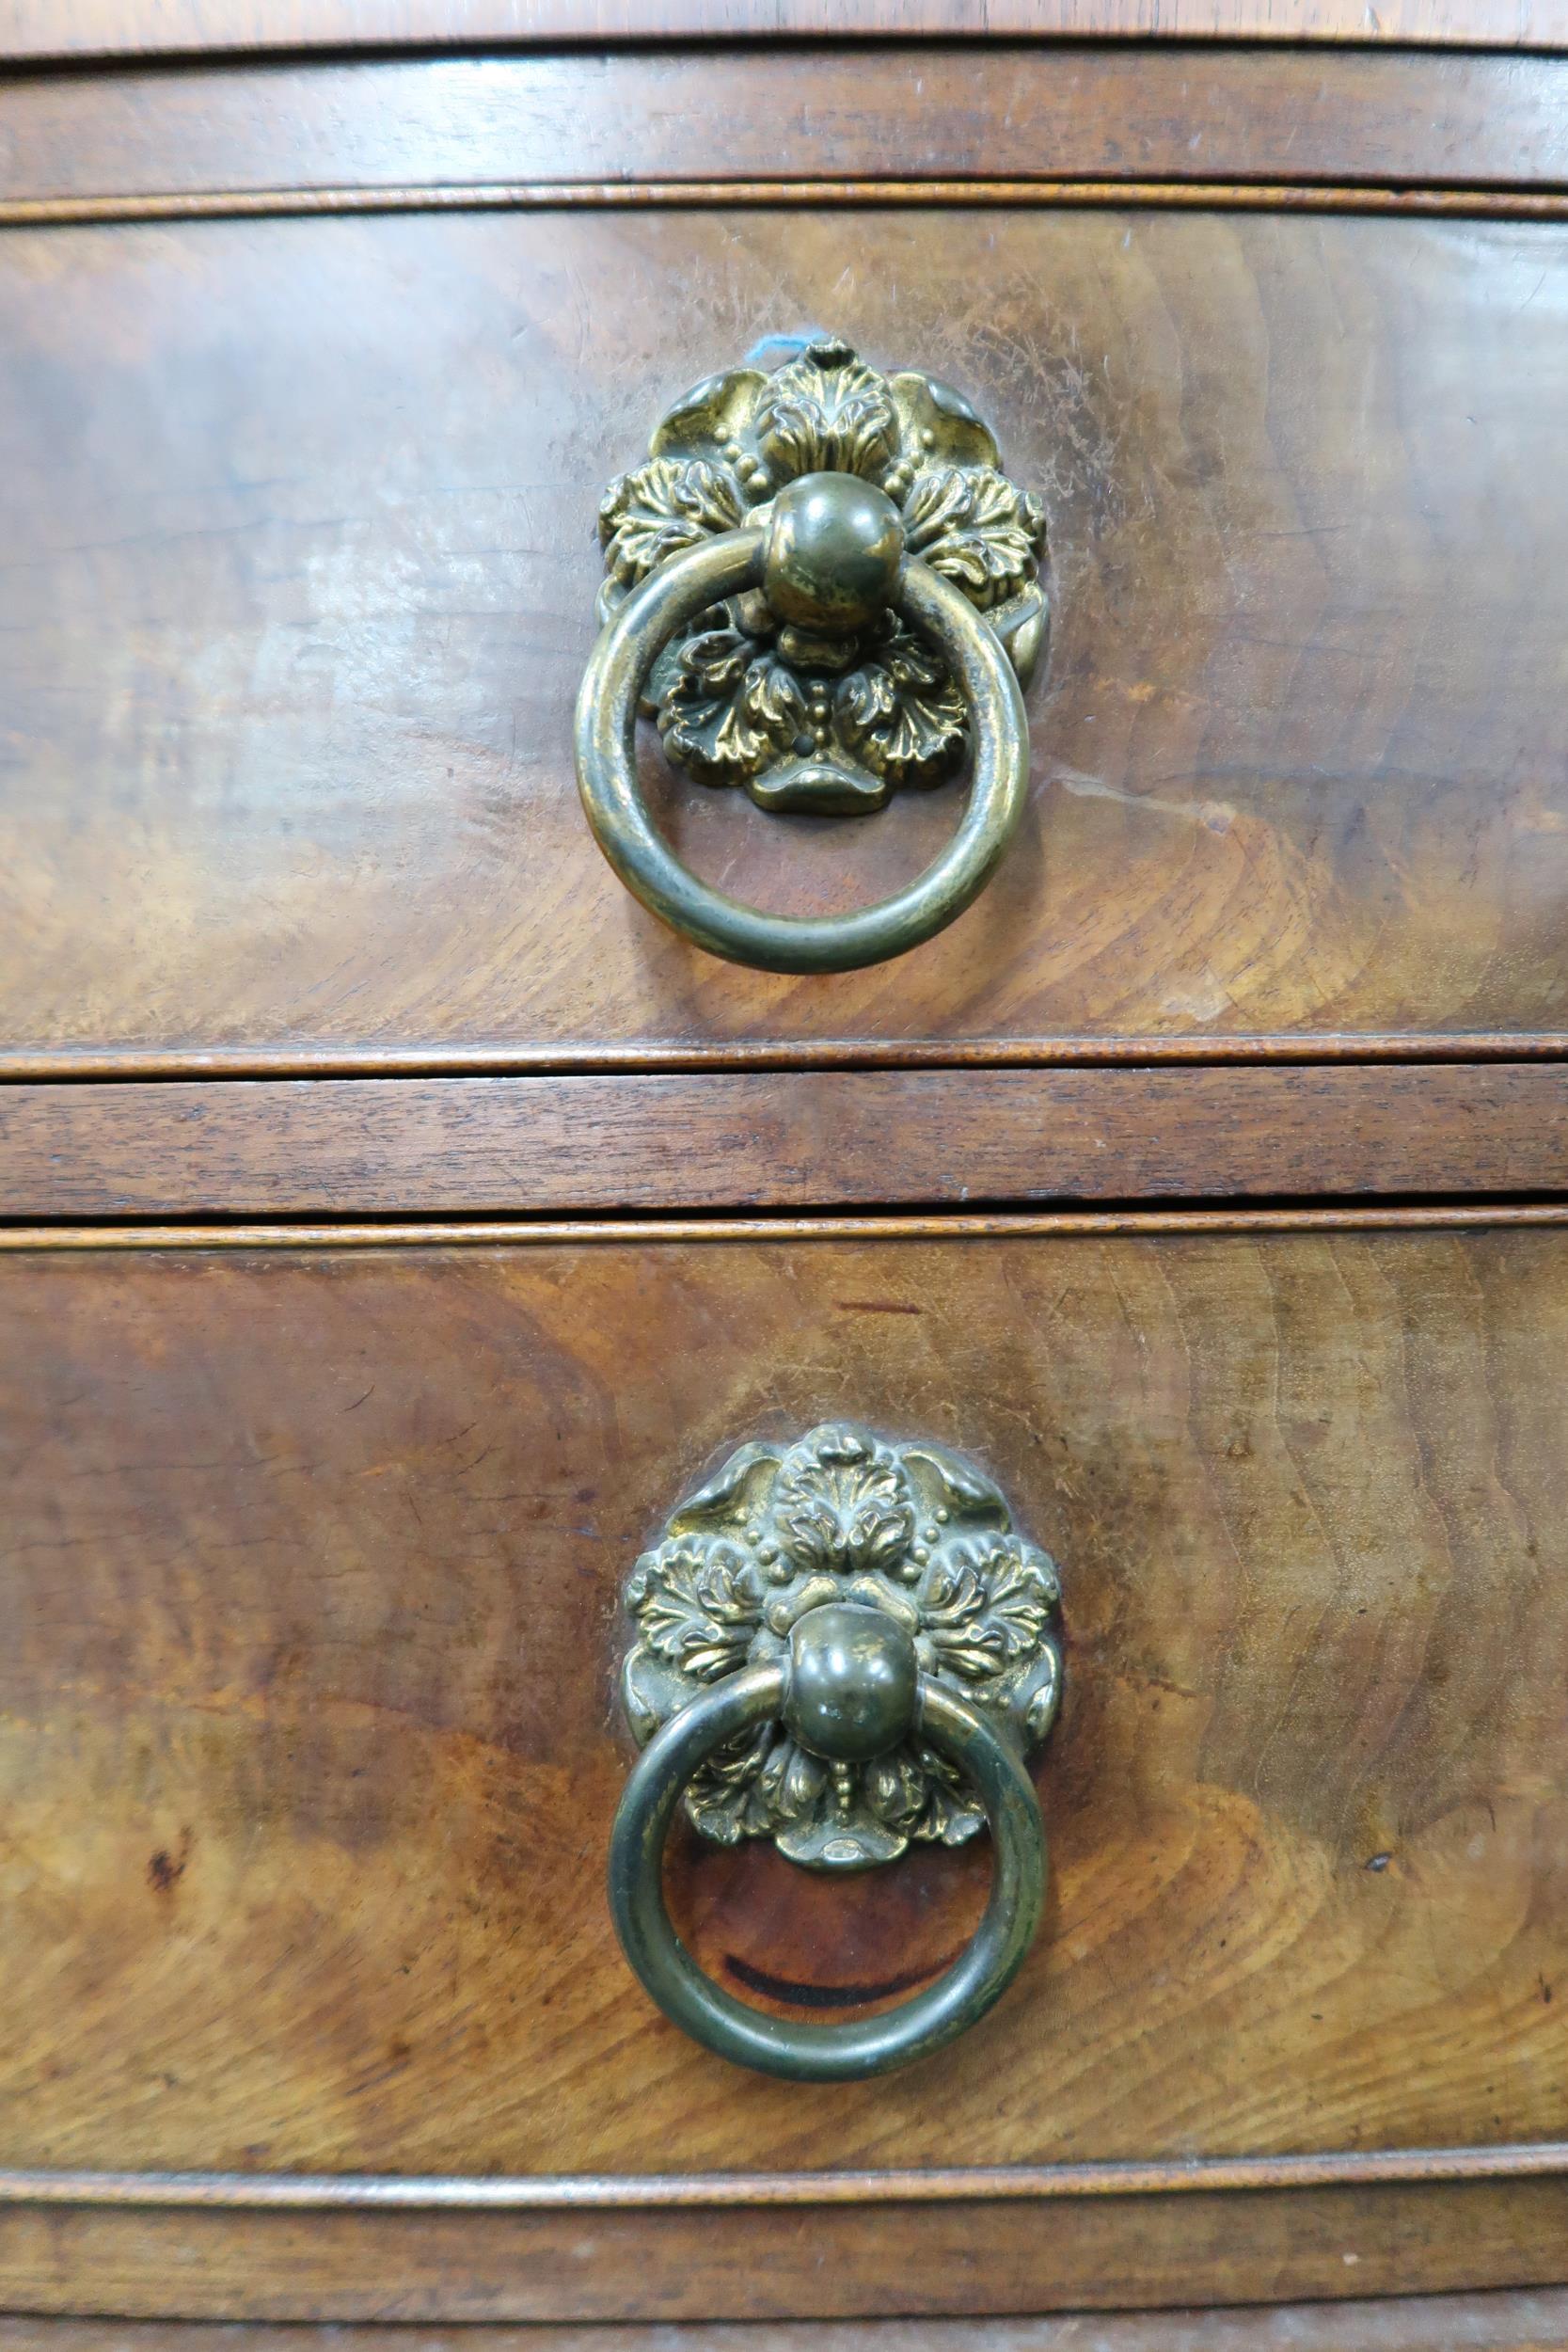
1521 2322
313 1532
39 28
297 598
1019 111
307 1748
783 1140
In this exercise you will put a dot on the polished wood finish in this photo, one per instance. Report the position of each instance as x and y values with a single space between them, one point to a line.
314 1527
501 196
995 111
97 28
291 675
62 2188
788 1140
1009 1224
1522 2322
831 2262
1334 1048
310 1779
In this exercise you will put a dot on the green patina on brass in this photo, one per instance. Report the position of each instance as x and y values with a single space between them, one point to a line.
854 1674
834 545
843 1644
823 588
808 691
909 1531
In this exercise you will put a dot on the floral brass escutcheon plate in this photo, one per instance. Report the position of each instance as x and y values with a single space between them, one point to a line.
828 723
842 1516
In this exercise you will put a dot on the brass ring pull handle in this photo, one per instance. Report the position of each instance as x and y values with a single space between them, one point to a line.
607 760
824 590
843 1644
851 1690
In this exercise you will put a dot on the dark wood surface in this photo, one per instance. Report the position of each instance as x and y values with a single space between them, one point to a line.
835 2261
777 1139
312 1534
308 1745
881 1225
996 111
40 28
299 590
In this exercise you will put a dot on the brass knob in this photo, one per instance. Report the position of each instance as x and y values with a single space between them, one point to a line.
824 589
845 1646
835 548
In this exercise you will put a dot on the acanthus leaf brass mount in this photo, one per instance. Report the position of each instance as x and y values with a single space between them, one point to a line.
843 1644
824 589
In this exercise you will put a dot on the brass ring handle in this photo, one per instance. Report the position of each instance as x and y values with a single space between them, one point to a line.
849 1689
654 613
825 589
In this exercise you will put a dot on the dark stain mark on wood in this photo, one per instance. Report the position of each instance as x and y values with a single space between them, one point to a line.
875 1307
165 1869
830 1996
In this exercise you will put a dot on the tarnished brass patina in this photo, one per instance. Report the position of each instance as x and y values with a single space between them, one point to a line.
823 589
843 1644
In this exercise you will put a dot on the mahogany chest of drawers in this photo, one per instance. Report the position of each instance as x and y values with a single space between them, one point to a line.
785 1504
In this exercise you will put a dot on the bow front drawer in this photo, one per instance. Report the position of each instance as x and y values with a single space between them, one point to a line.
317 378
310 1748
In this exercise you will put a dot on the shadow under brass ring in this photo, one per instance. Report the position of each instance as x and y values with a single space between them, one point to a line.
847 2051
673 596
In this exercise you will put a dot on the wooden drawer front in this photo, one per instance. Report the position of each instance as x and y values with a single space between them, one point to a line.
302 577
309 1747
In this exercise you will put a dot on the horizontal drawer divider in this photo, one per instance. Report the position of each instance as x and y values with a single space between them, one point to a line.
125 1065
142 27
1461 203
302 2191
1025 111
815 2255
802 1140
490 1233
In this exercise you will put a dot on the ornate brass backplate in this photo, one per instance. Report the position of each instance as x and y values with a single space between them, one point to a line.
806 713
842 1516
